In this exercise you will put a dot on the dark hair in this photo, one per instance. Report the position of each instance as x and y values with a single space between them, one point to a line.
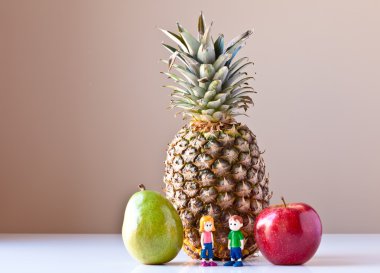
237 218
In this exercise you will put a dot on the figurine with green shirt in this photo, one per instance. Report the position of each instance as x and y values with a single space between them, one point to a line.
235 241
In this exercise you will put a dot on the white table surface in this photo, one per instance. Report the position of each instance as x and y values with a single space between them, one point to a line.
83 253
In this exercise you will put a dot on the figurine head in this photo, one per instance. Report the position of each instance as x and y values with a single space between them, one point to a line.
206 224
235 222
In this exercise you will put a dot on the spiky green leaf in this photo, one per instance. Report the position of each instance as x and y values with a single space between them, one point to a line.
238 62
198 91
191 43
201 26
176 88
190 77
208 112
190 63
207 71
218 115
206 52
214 104
242 81
221 74
234 52
221 61
176 38
224 108
219 45
172 59
236 76
239 39
215 85
209 95
237 69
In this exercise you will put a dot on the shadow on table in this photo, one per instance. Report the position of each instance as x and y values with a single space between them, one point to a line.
343 260
185 267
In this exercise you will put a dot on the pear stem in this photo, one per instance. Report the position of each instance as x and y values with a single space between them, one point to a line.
283 201
142 187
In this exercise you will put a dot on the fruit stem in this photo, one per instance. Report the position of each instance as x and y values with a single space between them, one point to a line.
142 187
283 201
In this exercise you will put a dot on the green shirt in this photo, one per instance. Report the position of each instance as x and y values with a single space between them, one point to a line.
235 237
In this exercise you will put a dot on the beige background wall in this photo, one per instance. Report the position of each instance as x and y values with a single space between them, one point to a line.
83 116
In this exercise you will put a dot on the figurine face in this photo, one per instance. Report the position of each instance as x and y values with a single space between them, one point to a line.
234 225
208 226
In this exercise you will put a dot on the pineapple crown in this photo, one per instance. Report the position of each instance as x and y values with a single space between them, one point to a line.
211 88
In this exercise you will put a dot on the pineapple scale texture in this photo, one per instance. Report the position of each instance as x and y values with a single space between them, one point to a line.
219 172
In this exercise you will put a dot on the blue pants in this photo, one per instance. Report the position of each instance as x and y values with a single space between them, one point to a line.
236 253
206 252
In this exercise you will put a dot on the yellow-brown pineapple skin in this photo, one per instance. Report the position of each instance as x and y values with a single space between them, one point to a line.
218 171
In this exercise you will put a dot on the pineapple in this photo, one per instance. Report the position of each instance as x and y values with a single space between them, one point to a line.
214 165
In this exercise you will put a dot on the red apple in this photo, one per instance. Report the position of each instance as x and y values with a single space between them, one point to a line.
288 234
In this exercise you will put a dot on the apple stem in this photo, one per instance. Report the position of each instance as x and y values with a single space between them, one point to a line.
283 201
142 187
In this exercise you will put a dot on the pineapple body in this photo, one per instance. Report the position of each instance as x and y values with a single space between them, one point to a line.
216 170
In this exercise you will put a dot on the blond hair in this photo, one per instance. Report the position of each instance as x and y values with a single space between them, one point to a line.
204 219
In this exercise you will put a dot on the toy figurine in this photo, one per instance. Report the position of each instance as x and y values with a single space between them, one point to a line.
207 240
235 241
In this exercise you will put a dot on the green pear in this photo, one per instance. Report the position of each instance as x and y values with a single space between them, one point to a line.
152 230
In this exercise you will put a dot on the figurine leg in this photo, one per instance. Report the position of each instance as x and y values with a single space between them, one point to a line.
206 253
211 256
238 255
229 263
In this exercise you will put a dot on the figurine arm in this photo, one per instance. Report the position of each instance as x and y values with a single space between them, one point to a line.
202 241
212 240
242 244
229 244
